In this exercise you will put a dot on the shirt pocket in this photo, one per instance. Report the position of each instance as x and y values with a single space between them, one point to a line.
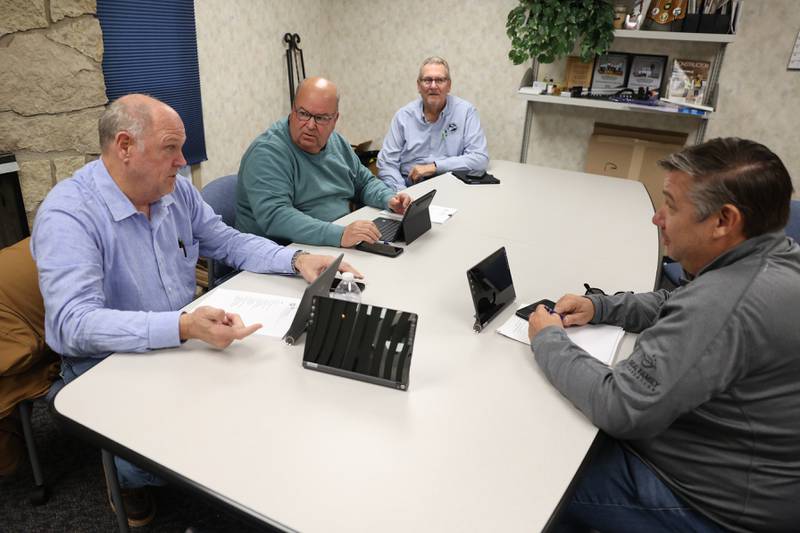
187 274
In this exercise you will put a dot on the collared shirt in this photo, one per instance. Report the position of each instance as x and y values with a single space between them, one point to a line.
112 280
454 142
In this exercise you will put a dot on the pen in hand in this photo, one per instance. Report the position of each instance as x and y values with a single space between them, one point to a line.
554 312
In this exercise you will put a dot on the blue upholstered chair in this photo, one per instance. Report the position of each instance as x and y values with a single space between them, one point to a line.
673 271
793 226
220 194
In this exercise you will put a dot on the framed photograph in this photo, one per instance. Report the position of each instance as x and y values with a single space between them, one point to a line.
610 73
647 72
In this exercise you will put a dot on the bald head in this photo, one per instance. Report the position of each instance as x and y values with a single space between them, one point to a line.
318 89
133 113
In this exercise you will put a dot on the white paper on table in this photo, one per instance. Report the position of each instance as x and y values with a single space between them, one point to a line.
599 340
438 214
274 313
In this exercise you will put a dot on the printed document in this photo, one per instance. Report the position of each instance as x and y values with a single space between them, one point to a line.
274 313
599 340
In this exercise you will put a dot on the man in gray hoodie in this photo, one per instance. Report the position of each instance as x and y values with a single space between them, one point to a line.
704 416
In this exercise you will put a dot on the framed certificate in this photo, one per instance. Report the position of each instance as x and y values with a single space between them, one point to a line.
647 72
610 73
578 73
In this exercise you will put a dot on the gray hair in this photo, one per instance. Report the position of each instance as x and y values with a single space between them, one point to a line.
435 60
124 115
739 172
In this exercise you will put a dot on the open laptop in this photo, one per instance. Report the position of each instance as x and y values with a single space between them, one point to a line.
320 287
416 221
491 287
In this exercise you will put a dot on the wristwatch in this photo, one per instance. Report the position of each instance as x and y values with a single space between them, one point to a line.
297 254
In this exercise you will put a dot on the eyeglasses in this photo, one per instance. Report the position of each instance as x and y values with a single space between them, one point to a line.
305 116
427 82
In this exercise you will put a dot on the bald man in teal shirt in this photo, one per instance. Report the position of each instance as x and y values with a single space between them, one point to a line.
300 175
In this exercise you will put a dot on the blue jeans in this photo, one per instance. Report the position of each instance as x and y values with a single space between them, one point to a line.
618 493
130 476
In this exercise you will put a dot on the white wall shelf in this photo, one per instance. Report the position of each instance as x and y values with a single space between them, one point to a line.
675 36
526 92
605 104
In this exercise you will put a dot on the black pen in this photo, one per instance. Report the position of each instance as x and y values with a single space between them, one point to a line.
554 312
182 247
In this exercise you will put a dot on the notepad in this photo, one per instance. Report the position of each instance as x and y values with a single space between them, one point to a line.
599 340
274 313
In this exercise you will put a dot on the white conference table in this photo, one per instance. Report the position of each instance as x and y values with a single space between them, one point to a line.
480 441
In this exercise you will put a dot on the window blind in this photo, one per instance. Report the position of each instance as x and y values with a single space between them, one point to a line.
151 47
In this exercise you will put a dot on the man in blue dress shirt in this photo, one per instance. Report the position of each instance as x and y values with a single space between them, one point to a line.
116 247
434 134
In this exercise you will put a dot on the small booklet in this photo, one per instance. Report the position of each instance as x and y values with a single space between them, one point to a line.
688 82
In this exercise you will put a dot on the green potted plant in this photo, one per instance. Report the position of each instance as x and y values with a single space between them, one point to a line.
546 30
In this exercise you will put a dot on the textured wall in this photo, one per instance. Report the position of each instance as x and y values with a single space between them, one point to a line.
759 98
243 76
52 90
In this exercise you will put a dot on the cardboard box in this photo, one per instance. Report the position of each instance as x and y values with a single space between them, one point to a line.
369 158
633 153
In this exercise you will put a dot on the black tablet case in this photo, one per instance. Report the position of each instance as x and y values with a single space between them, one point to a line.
417 219
483 179
360 341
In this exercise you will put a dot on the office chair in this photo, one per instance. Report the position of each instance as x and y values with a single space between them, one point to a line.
673 271
793 226
28 365
220 194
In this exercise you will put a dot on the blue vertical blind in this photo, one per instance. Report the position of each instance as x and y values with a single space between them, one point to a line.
151 47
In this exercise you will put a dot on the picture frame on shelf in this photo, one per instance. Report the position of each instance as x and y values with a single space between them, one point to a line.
647 72
688 82
610 73
578 73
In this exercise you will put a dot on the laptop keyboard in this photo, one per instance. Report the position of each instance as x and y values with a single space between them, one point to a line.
388 228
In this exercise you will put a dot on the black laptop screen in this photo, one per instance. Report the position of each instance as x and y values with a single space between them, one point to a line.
491 287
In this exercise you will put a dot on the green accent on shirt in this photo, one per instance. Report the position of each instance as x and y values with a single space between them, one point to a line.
286 193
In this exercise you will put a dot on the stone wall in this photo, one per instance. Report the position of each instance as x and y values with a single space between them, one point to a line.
52 90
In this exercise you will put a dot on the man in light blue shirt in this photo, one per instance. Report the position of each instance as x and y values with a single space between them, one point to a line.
434 134
116 247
